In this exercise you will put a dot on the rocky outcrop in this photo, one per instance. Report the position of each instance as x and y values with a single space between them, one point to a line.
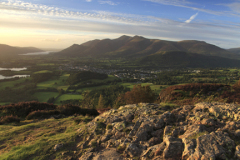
152 131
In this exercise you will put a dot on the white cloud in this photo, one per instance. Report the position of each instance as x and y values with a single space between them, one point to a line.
88 0
186 4
47 19
191 18
235 7
108 2
171 2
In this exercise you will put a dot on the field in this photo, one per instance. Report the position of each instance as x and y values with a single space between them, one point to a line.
44 96
43 71
3 103
11 83
67 97
51 87
110 78
155 88
91 88
56 83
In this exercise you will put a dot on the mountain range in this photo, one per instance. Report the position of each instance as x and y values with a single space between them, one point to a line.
138 46
157 53
234 50
10 50
146 52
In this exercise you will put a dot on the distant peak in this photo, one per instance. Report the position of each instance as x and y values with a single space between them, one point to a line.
124 37
136 36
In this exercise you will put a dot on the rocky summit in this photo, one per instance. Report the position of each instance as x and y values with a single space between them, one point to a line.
205 131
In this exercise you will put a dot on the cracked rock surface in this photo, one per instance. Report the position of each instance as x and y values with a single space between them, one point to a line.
150 131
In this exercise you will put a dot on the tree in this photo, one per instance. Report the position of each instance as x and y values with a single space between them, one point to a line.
236 86
100 102
139 94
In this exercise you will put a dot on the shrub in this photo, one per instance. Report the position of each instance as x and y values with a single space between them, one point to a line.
42 114
22 109
136 95
69 110
109 126
9 119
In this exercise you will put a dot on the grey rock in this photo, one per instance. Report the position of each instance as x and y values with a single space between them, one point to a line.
133 150
134 130
157 133
216 144
144 129
58 147
237 152
87 156
173 149
189 149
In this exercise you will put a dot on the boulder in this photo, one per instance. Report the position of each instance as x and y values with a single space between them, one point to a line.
174 148
216 144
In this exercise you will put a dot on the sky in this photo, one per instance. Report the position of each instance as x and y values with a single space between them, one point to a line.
61 23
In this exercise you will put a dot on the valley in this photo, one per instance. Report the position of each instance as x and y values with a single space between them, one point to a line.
56 111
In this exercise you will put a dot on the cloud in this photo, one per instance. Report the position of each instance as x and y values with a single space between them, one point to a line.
88 0
108 2
191 18
48 19
235 7
171 2
186 4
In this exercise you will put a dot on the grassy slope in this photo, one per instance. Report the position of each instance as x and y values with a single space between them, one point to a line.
44 96
67 97
36 141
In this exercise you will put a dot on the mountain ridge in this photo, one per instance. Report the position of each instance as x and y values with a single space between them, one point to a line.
140 46
11 50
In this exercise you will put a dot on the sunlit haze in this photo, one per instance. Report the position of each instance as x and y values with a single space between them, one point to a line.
59 24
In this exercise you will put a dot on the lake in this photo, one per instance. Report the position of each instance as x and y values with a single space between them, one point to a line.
13 69
36 53
9 77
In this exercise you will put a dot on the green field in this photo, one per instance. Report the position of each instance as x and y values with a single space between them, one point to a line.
155 88
44 96
67 97
3 85
110 78
43 71
46 64
91 88
57 83
3 103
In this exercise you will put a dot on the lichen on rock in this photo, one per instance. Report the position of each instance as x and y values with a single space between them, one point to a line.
150 131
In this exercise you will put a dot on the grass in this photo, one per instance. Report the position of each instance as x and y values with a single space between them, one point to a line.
155 88
67 97
56 83
170 105
3 103
195 136
110 78
43 71
37 140
91 88
44 96
46 64
3 85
